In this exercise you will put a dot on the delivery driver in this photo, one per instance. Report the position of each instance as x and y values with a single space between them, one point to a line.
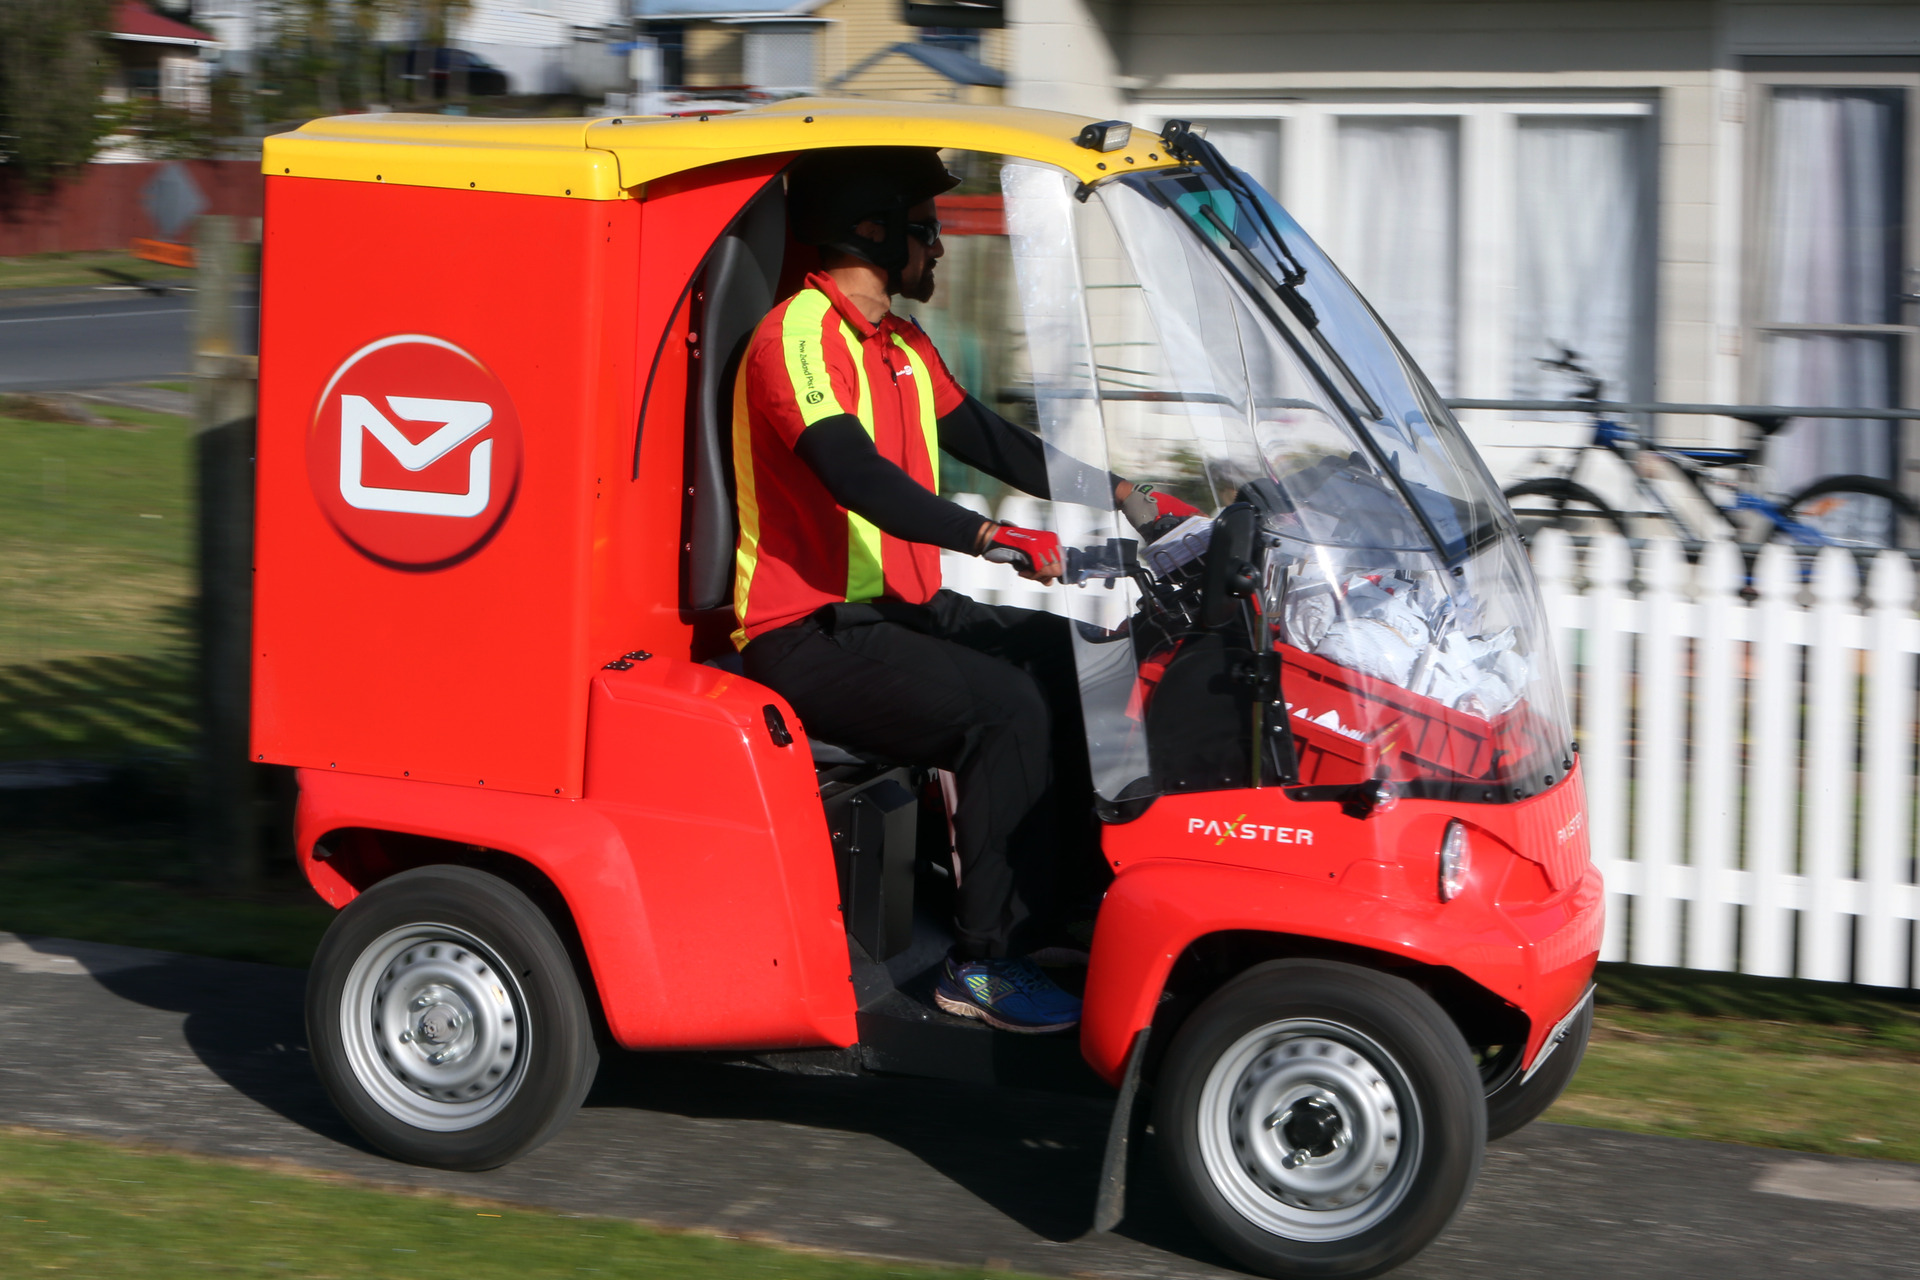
840 411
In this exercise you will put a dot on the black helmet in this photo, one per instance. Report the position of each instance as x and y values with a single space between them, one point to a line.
832 191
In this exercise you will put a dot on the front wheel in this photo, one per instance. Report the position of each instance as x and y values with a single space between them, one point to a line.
446 1021
1320 1119
1553 503
1860 512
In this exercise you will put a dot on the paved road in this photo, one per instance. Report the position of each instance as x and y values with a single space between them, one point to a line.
89 339
209 1055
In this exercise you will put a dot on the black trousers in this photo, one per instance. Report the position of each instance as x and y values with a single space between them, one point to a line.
986 691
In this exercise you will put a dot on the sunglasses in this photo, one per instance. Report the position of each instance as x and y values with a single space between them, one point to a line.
925 232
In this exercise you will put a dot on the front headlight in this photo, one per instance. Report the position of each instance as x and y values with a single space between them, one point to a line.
1453 861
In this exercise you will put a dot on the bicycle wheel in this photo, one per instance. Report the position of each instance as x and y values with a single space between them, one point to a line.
1554 503
1848 511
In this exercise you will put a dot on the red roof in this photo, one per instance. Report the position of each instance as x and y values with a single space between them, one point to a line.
138 22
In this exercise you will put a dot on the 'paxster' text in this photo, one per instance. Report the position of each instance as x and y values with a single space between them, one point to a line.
1238 830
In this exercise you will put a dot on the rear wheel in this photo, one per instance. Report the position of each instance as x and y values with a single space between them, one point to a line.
1862 512
1320 1119
446 1021
1553 503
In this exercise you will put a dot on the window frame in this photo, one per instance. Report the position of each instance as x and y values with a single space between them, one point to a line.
1757 88
1484 335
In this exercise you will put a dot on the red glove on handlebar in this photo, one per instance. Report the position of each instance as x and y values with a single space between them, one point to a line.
1033 552
1165 504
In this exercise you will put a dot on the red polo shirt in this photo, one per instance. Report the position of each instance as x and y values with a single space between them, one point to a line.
815 356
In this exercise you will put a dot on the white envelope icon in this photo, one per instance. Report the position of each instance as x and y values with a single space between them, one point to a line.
461 419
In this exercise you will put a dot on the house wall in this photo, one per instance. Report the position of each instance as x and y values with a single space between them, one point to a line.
1691 63
538 43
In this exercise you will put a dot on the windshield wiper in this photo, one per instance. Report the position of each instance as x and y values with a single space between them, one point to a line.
1183 143
1296 303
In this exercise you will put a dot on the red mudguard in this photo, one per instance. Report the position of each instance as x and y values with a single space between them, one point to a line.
697 866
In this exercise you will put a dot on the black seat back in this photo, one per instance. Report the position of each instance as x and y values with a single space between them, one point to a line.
736 289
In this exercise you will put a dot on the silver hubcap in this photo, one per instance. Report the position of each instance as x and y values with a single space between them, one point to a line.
435 1027
1309 1129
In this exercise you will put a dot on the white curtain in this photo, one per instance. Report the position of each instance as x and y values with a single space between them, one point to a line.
1253 145
1396 229
1578 277
1833 257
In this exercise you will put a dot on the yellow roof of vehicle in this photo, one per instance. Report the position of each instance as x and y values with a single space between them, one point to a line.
607 159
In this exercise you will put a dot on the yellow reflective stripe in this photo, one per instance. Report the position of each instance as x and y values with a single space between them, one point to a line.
929 428
746 552
802 344
866 569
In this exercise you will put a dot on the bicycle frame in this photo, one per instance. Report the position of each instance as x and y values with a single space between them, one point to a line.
1627 444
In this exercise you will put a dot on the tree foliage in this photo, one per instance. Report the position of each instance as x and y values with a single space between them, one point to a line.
329 55
52 71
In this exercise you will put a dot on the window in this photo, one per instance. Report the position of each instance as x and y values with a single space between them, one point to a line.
1581 252
1487 234
1829 311
779 56
960 39
1395 229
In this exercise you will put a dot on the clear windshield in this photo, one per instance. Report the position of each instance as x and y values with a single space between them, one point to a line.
1182 335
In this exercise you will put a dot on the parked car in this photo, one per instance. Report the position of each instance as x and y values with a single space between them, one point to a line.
450 72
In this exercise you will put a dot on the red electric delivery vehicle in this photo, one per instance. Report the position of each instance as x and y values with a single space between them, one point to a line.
1346 922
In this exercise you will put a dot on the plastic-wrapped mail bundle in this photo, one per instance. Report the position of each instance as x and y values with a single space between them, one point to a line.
1406 633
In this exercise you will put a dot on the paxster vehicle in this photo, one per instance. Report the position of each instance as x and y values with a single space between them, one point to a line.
1347 920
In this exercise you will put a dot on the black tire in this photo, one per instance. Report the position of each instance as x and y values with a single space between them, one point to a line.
1513 1105
449 956
1803 507
1576 508
1330 1049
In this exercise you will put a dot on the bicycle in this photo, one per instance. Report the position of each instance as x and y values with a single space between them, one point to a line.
1835 511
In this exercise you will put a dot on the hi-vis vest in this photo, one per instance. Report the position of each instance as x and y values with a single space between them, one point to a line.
815 356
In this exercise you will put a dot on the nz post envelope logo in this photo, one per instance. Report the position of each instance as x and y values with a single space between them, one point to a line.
414 452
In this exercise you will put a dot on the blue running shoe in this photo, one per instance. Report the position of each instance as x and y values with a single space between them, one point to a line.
1013 995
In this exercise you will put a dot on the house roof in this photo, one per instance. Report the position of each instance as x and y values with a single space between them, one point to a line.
134 21
713 10
956 66
950 64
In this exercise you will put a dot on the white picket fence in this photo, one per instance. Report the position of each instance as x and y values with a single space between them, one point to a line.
1747 734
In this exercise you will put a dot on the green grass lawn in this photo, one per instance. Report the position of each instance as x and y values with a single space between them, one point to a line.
96 546
1806 1066
139 884
88 267
92 1209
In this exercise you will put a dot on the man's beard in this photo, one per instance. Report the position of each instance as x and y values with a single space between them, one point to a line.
919 289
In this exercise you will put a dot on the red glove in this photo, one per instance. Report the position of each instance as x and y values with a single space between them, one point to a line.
1165 504
1152 512
1034 552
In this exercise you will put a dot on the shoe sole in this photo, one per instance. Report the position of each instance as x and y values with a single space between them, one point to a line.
967 1009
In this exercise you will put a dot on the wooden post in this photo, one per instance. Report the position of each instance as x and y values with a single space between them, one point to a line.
224 381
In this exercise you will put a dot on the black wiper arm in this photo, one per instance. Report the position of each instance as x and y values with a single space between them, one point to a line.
1296 303
1184 144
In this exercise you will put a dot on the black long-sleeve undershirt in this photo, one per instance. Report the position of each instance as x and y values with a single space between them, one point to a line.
981 438
840 452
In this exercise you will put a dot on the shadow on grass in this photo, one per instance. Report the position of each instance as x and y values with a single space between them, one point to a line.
106 708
